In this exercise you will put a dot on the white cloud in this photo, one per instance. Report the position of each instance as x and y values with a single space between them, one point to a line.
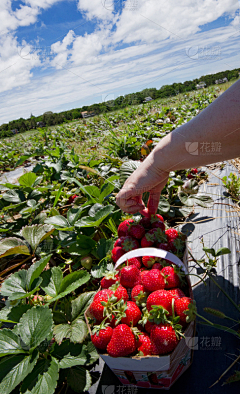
99 9
16 63
126 52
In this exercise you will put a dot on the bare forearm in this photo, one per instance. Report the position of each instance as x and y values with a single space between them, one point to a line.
213 135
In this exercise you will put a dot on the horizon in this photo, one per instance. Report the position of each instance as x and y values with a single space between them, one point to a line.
57 55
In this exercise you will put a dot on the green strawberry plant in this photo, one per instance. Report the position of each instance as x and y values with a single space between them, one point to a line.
48 333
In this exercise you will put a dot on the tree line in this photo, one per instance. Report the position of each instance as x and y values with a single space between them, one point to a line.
50 119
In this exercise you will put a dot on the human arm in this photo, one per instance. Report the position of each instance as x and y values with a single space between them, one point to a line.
218 123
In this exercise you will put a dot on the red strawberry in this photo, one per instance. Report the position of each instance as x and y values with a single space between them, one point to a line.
164 338
159 234
145 222
171 277
159 217
96 309
132 314
160 297
123 342
154 349
101 338
180 306
129 243
148 261
147 240
149 325
176 293
103 294
109 279
137 261
142 273
130 276
120 292
171 234
123 227
157 266
157 221
139 295
119 241
161 245
176 245
71 199
117 252
189 176
194 171
144 345
136 230
153 280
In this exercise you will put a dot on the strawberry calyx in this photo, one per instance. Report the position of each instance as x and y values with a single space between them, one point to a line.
129 244
141 298
174 322
145 316
158 314
191 312
109 306
104 324
119 311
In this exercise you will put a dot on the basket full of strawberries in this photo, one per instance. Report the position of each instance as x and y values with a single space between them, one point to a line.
143 316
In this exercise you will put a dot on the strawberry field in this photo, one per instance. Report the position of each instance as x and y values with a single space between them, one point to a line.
61 234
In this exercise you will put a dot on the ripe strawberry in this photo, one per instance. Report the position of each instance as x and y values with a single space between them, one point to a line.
117 252
159 217
120 292
129 243
148 261
159 234
160 297
176 245
149 325
180 306
143 272
154 349
123 342
103 294
119 241
194 171
130 276
109 279
145 222
171 276
164 338
136 230
71 199
147 240
144 345
171 234
157 221
131 315
176 293
96 309
123 227
161 245
157 266
102 337
190 176
139 295
153 280
137 261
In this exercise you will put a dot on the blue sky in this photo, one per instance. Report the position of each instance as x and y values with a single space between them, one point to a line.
61 54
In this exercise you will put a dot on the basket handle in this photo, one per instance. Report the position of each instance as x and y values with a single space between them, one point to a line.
152 252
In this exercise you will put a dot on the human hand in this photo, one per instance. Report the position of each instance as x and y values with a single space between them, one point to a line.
143 179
